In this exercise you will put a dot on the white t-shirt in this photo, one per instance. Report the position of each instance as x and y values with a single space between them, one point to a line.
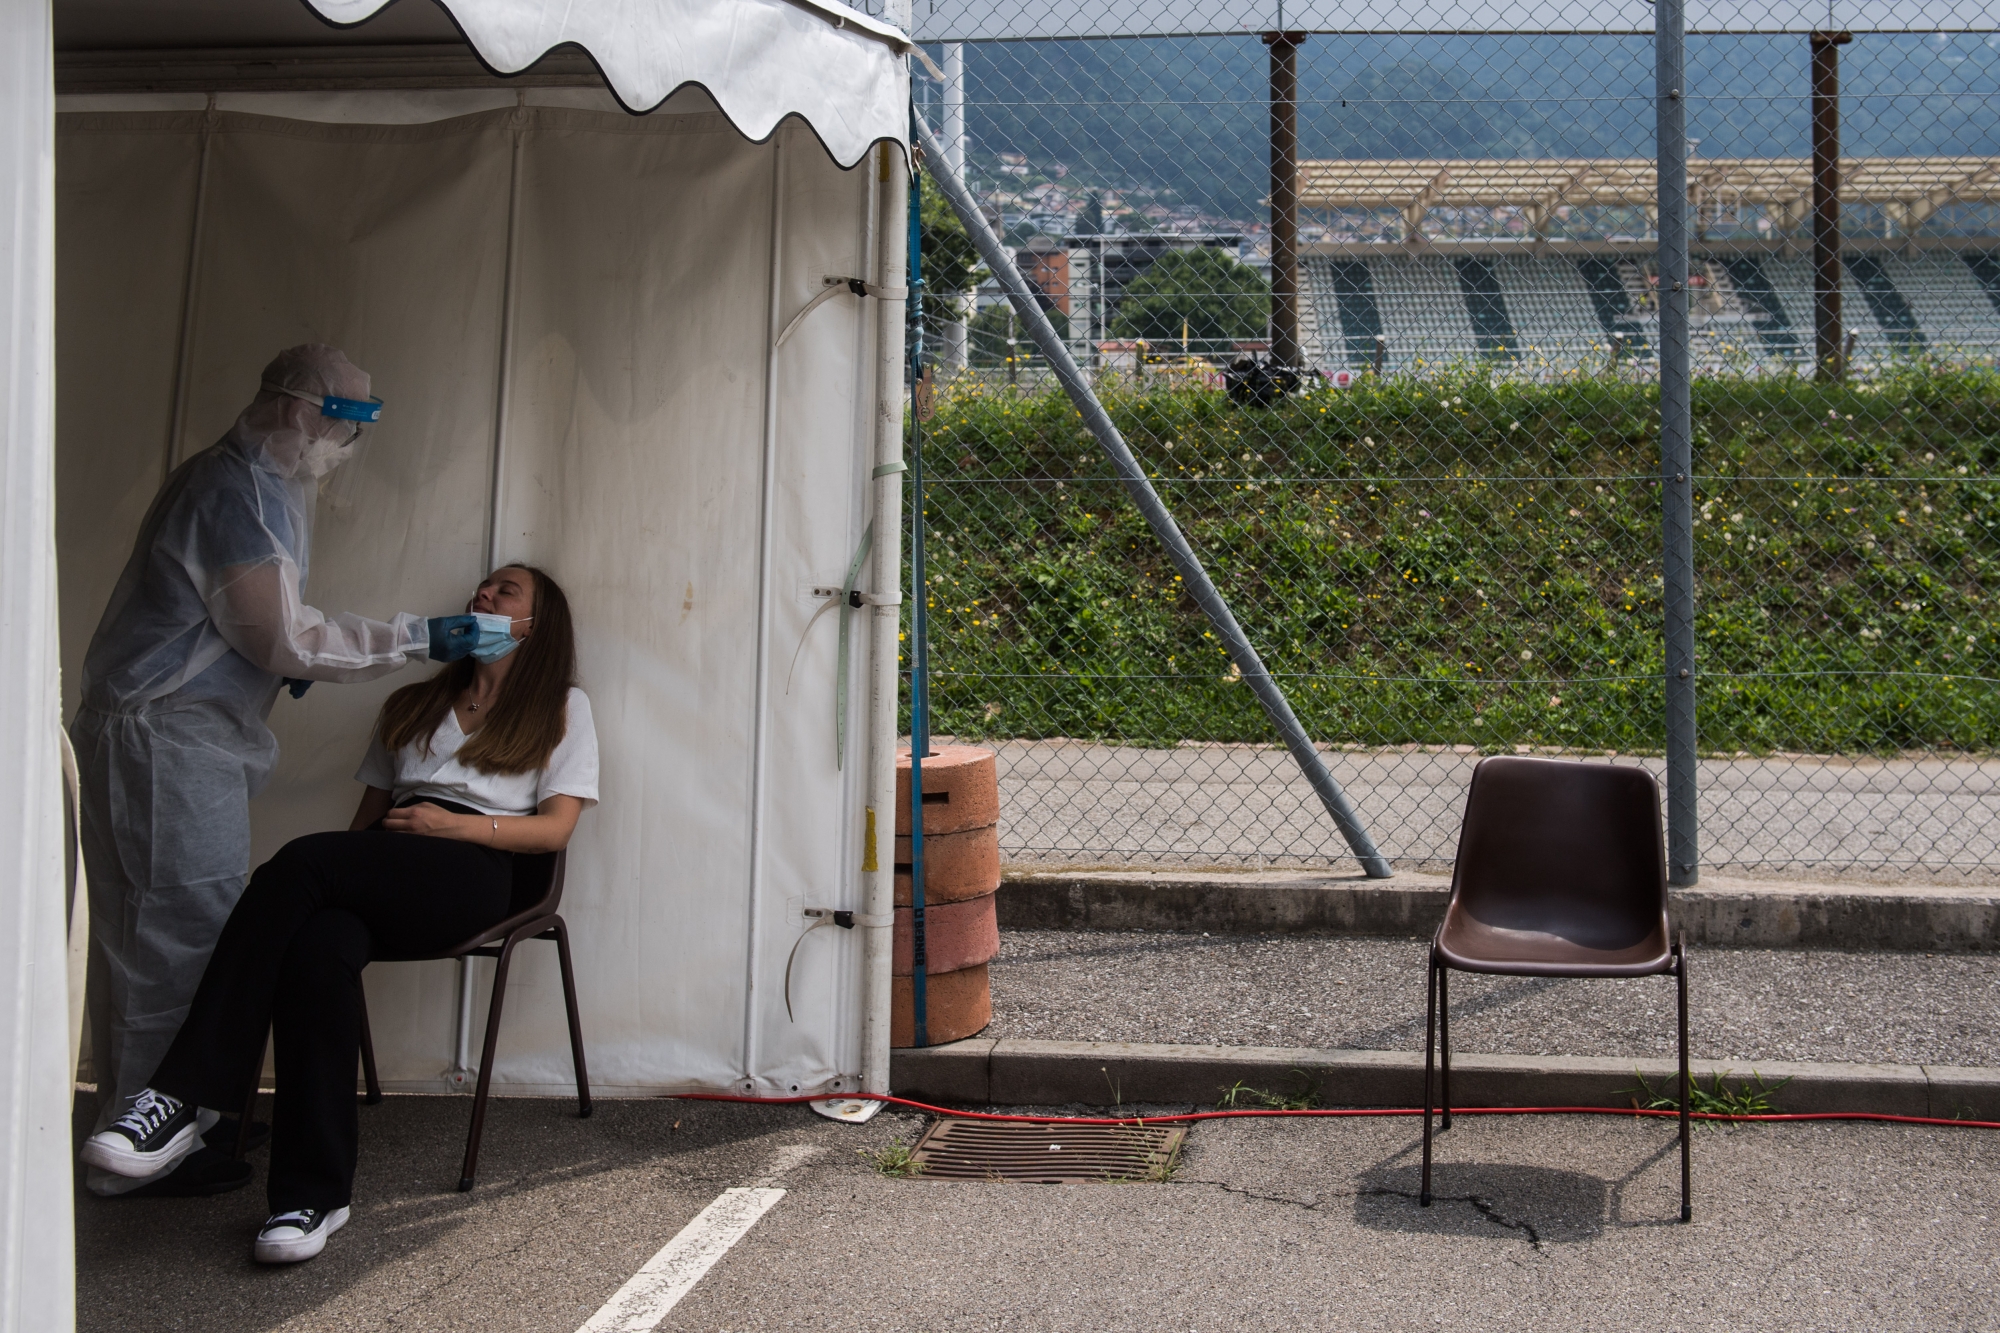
571 770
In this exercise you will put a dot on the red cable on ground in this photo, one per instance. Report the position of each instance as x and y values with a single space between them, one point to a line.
1332 1113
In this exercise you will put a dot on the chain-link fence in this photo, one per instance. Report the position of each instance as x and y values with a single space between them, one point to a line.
1444 532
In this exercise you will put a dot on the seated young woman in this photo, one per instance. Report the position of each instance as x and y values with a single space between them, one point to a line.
494 755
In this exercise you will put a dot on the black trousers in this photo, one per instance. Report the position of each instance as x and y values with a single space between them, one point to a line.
290 960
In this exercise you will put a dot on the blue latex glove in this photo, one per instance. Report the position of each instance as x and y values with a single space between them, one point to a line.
453 637
297 687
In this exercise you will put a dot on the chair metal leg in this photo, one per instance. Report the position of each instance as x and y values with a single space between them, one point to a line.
1444 1046
250 1101
1430 1043
368 1076
1687 1086
575 1025
486 1065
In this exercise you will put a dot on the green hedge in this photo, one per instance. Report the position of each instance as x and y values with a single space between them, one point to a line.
1466 560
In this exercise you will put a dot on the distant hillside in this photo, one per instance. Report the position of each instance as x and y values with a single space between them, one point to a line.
1190 115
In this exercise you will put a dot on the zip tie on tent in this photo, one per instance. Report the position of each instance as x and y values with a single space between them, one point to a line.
840 668
827 916
1349 1112
834 287
929 64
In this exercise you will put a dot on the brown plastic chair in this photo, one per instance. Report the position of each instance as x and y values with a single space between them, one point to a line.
1561 872
538 887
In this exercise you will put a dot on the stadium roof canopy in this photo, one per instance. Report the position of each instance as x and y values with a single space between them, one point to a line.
983 20
1908 189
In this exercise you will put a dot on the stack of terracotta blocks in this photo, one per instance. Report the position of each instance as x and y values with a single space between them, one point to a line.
961 877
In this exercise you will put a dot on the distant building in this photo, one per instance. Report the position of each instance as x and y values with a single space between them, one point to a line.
1101 266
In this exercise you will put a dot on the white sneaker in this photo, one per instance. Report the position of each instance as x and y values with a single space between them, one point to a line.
288 1238
150 1138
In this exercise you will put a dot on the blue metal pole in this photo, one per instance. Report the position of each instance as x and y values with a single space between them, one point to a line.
920 725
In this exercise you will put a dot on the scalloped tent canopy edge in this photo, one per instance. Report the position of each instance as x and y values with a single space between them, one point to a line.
837 69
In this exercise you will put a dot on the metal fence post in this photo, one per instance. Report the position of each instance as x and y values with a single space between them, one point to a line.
1829 350
1676 444
1284 46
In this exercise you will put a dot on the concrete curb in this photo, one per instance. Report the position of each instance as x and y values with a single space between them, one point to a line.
1744 913
984 1071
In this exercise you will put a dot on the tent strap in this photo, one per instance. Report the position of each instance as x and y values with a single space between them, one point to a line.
836 286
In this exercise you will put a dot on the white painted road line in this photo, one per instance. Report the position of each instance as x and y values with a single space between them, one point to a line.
640 1305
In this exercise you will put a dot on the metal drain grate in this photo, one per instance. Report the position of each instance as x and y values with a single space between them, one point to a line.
1047 1154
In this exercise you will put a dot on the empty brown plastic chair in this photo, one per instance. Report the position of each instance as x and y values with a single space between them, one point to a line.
1561 872
538 887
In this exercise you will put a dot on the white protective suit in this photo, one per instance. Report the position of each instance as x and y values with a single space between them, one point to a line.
171 737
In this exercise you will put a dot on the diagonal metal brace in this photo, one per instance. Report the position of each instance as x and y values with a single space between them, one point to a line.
1156 513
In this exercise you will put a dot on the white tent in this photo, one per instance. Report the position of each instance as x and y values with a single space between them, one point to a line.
572 312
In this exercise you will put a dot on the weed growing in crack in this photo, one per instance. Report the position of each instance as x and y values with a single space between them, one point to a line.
1240 1096
1159 1173
1719 1098
895 1161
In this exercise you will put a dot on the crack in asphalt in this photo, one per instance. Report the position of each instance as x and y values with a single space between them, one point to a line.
1485 1207
1242 1192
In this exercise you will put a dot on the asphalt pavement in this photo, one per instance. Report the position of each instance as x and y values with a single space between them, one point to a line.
1368 994
1541 1223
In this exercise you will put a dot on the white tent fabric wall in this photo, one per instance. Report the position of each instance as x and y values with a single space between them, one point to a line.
36 1238
688 489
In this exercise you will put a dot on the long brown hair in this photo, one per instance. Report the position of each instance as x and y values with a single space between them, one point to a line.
530 714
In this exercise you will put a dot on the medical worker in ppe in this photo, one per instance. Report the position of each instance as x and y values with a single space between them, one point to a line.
205 624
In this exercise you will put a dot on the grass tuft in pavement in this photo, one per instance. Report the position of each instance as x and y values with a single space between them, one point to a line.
897 1161
1240 1096
1719 1098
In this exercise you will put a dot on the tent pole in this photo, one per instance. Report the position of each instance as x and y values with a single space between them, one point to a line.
37 1236
878 863
461 1072
760 733
184 354
1157 517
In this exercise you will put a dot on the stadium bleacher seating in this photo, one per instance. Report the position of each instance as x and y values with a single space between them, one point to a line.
1544 314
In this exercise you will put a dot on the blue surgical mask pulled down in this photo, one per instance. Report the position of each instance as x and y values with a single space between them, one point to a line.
496 637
